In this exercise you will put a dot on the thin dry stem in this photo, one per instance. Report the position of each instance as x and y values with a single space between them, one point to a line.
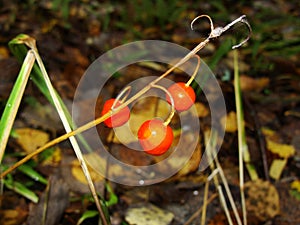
223 203
172 112
204 206
125 91
68 129
228 192
210 152
243 149
195 72
196 214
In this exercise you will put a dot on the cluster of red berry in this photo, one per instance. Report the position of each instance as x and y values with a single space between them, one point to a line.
155 135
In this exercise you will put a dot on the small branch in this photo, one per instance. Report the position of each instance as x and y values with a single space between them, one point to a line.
197 213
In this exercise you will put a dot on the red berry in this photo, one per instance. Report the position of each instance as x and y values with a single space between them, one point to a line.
183 96
117 119
155 137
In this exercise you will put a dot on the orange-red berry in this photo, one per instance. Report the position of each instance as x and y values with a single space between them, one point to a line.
155 137
184 96
117 119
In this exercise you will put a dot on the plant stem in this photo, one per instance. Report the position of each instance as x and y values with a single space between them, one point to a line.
204 206
68 128
244 155
196 214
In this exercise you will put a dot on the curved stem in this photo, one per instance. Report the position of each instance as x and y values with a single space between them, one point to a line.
195 72
125 90
169 118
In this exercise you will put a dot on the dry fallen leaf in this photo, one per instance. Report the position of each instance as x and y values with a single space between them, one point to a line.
192 164
54 200
74 177
12 216
79 175
202 110
296 185
31 139
262 199
274 145
231 123
283 150
251 84
268 132
54 159
277 167
148 214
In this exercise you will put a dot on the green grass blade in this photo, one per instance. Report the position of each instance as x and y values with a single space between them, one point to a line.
21 189
68 127
19 50
243 146
13 103
30 172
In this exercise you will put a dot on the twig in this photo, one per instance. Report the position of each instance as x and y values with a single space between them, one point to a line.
223 203
197 213
228 192
210 153
204 206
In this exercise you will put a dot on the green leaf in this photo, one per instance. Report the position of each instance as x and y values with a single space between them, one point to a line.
113 198
20 189
86 215
13 102
29 171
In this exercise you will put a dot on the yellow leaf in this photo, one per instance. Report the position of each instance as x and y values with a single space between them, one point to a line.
229 121
54 159
268 132
262 199
283 150
30 139
202 111
148 214
296 185
79 175
277 167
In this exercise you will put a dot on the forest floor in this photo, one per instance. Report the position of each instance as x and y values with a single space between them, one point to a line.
72 35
